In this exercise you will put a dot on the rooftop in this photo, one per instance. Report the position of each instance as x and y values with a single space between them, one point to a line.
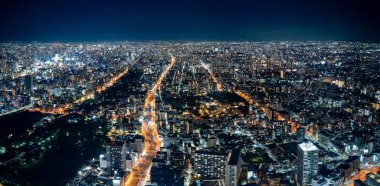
307 146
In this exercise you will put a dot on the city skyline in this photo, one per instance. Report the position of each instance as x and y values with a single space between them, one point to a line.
189 93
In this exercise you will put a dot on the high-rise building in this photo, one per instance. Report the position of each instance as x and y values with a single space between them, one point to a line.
307 166
116 156
177 159
136 144
372 179
350 167
279 128
102 161
29 82
211 142
359 183
301 134
3 66
211 165
234 168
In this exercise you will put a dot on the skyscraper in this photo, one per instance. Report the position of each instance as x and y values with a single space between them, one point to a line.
116 156
233 169
211 165
279 128
29 82
307 166
372 179
301 134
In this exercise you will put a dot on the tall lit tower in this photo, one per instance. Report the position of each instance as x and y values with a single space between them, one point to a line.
307 165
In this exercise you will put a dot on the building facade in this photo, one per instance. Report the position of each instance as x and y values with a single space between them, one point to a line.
307 166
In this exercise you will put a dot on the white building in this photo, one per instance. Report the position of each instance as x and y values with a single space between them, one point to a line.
307 166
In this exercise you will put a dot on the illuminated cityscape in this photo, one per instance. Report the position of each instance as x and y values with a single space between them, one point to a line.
275 107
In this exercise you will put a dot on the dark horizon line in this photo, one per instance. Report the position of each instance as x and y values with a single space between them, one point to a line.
184 41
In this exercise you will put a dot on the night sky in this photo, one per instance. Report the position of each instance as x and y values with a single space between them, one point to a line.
195 20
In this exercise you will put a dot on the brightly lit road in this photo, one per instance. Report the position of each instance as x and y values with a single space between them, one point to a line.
213 77
247 97
141 171
63 109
